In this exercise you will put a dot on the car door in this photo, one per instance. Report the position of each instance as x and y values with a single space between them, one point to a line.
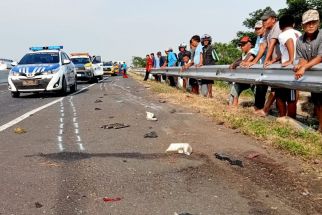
98 66
68 69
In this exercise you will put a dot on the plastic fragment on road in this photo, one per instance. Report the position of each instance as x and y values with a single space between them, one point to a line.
20 130
182 214
98 109
150 116
115 126
232 162
106 199
181 148
151 134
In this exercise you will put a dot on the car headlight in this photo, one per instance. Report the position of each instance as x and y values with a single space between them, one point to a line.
13 73
49 72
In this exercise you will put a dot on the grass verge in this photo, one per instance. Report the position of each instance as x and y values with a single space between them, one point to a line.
304 143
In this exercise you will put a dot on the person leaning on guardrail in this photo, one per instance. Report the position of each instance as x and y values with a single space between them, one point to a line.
309 53
286 99
260 51
245 44
183 52
210 57
273 54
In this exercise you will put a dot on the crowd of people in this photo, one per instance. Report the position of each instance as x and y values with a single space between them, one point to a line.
277 42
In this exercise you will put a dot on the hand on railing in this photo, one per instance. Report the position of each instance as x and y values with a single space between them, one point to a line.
299 71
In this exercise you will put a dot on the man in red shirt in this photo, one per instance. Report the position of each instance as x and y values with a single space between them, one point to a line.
149 65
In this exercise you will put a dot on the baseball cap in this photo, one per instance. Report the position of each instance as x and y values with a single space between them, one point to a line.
244 40
259 24
268 14
310 15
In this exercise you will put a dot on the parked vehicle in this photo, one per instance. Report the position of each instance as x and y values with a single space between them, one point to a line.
43 69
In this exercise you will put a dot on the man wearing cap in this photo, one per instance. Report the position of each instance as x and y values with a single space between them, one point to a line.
273 30
309 54
245 44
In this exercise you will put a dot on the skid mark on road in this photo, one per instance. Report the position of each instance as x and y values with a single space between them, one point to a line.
76 126
136 99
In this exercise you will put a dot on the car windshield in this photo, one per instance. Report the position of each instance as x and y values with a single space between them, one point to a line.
40 58
82 60
108 64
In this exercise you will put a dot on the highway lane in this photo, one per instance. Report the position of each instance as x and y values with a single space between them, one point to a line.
66 163
11 108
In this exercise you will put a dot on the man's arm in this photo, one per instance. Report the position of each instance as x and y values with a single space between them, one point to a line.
268 60
305 65
262 49
290 49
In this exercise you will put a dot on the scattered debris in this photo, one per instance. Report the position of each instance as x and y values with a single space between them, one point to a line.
105 94
152 134
316 161
173 111
115 126
98 101
181 148
150 116
182 214
20 130
98 109
220 123
124 161
38 205
111 117
106 199
231 161
162 101
101 97
305 192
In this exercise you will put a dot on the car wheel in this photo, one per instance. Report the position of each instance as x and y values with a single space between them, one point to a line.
64 87
15 94
73 88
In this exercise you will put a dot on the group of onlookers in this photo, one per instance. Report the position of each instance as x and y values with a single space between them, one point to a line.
277 42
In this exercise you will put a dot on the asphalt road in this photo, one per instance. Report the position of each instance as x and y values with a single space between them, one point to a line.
66 163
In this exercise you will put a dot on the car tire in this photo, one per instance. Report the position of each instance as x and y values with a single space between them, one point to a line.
15 94
63 90
73 88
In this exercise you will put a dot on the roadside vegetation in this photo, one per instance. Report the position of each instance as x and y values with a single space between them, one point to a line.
305 143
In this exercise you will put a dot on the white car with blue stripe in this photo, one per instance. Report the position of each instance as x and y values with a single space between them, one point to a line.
43 69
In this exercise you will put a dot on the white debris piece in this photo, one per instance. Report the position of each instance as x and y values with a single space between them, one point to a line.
150 116
181 148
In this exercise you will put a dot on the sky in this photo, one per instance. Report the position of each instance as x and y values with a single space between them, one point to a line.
119 29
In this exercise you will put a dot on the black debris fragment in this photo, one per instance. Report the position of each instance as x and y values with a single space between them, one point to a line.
38 205
98 109
98 101
115 126
232 162
173 111
151 134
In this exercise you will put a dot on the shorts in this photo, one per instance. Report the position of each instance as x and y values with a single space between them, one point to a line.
316 98
193 82
286 95
237 89
207 81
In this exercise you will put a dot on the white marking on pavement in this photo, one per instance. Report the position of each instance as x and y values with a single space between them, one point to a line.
61 126
76 125
79 139
61 120
61 148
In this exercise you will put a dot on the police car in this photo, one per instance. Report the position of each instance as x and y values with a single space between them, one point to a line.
43 69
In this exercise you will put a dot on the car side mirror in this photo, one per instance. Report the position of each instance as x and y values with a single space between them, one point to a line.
66 62
14 63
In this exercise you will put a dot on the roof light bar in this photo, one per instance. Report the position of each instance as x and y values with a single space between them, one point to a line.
46 48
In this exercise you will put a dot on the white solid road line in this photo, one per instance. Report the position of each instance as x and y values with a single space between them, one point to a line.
28 114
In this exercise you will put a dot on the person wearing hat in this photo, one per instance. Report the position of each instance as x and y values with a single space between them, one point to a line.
309 54
245 44
273 30
171 62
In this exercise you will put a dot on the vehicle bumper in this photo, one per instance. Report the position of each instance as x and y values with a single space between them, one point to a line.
41 83
84 75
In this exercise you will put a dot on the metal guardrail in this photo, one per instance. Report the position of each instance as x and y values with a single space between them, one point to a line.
274 76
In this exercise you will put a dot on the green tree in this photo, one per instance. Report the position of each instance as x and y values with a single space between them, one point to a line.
254 17
295 8
138 61
227 53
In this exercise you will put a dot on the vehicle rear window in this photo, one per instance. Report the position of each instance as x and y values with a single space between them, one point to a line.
40 58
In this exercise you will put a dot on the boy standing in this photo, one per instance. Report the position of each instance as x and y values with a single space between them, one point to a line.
309 53
286 98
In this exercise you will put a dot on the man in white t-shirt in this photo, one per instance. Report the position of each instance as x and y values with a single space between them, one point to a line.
286 98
